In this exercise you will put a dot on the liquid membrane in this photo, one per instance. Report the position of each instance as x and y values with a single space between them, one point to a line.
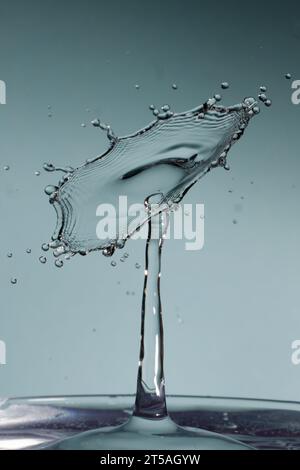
167 157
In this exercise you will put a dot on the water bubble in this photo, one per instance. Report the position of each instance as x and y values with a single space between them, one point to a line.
113 264
137 86
268 103
137 265
45 246
288 76
152 107
59 263
13 280
43 259
28 250
122 259
256 109
83 124
37 173
165 107
9 255
225 85
174 86
6 167
126 255
218 97
263 88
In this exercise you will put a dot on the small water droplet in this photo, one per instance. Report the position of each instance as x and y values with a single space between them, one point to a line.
122 259
6 167
225 85
137 265
288 76
83 124
126 255
263 88
28 250
59 263
174 86
218 97
114 264
262 97
45 246
43 259
49 115
234 222
13 280
50 189
268 103
9 255
37 173
137 86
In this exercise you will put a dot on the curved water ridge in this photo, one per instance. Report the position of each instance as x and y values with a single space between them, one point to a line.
165 158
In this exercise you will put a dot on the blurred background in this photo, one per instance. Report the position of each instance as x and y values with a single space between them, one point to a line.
232 309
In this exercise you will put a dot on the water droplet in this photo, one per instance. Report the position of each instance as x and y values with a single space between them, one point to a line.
43 259
234 221
288 76
49 106
28 250
262 97
9 255
113 263
45 247
137 265
165 107
256 109
94 330
37 173
174 86
59 263
83 124
49 167
13 280
225 85
218 97
126 255
268 103
50 189
137 86
122 259
152 107
6 167
263 88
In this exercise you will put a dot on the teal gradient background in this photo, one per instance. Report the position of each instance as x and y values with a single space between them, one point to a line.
75 330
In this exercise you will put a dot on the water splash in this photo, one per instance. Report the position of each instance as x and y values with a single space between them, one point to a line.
167 157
